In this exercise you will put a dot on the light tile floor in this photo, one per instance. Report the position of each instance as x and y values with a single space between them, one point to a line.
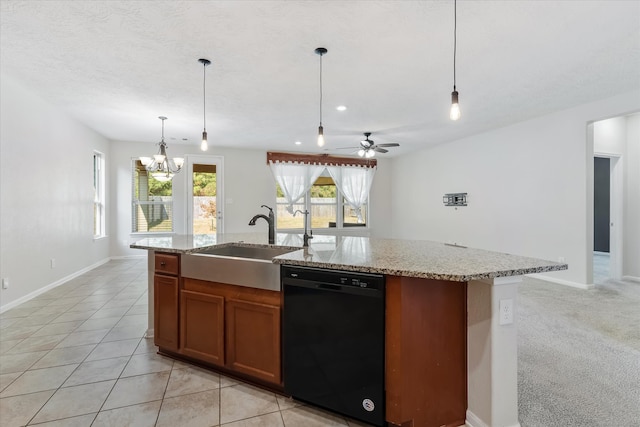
75 356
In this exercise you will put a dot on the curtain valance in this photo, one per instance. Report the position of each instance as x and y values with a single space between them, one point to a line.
319 159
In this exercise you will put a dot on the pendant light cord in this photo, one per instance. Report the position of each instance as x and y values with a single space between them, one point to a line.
320 89
204 95
455 44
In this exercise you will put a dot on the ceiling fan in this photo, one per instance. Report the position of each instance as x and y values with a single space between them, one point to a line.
368 147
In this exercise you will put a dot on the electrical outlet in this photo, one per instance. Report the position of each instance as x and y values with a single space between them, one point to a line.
506 311
53 263
5 283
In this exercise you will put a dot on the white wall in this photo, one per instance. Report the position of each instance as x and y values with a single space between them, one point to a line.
46 193
631 260
248 184
610 136
527 188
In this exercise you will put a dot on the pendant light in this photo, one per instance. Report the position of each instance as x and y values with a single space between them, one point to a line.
161 167
320 51
454 114
204 146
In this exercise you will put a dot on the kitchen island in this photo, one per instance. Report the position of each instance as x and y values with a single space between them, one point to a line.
422 277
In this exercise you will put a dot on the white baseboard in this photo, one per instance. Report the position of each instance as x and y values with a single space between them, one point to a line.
50 286
128 257
631 279
474 421
562 281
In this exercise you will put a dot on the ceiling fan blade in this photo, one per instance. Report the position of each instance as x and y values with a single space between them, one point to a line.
379 150
391 144
345 148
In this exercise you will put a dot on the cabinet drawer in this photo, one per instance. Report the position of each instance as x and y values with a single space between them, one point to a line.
167 263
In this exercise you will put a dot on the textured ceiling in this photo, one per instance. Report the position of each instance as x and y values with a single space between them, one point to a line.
118 65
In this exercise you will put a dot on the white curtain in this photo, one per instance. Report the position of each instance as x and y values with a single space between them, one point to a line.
354 182
295 179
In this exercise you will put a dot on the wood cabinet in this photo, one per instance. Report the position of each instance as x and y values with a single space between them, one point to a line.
426 352
253 339
165 300
234 327
202 326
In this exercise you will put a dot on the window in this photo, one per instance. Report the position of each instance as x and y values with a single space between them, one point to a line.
325 203
335 190
152 207
98 195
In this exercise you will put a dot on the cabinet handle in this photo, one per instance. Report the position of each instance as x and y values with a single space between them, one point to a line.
162 263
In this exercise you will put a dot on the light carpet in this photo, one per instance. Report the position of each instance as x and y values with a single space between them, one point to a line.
579 355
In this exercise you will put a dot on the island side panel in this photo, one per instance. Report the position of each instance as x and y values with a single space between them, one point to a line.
425 333
150 293
492 354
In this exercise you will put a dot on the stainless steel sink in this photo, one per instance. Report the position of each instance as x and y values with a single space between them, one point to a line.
252 252
249 266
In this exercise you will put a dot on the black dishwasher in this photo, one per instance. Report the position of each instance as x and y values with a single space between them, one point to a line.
333 340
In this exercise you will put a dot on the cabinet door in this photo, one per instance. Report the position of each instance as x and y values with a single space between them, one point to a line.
253 339
202 326
165 305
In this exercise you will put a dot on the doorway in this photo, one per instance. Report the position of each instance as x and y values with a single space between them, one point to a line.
204 193
601 218
607 217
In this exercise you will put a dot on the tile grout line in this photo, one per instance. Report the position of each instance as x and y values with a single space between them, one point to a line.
81 362
97 282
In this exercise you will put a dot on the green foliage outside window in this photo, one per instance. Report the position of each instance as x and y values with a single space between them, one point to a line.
157 188
204 184
316 191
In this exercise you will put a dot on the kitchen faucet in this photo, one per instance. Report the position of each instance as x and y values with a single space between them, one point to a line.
305 236
270 220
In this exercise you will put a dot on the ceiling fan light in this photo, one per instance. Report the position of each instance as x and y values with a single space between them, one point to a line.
361 152
370 153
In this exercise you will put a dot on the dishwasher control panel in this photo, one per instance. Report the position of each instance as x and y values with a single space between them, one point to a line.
333 277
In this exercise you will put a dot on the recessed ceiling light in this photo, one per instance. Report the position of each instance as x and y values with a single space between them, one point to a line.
341 107
298 142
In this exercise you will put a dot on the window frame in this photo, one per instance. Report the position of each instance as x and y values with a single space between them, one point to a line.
340 206
135 203
99 199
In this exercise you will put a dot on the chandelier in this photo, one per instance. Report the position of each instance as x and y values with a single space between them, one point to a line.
161 167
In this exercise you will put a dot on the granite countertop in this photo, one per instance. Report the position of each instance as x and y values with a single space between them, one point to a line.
409 258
